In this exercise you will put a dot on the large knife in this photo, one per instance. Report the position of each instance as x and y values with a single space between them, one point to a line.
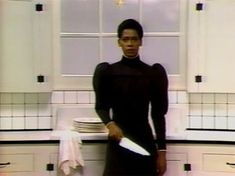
132 146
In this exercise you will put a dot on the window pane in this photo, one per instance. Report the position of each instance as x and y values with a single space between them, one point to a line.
111 51
161 15
79 55
164 50
80 16
114 14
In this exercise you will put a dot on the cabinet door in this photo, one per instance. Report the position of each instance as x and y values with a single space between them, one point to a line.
93 155
25 46
175 164
27 159
211 46
211 159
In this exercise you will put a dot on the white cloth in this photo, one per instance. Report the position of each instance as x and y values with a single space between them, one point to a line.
70 156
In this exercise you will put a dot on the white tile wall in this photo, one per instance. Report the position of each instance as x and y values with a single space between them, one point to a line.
24 111
57 97
70 97
6 123
83 97
35 110
6 98
208 122
217 111
31 122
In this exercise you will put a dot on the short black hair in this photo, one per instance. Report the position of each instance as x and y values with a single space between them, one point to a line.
130 24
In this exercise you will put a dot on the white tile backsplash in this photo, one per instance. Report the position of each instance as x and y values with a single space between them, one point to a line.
208 122
221 122
231 109
208 98
195 122
57 97
208 110
44 122
231 98
18 110
31 98
172 96
44 110
231 123
70 97
195 98
17 98
221 110
92 97
5 110
195 109
6 123
182 97
18 123
34 110
221 98
31 110
31 122
83 97
44 98
6 98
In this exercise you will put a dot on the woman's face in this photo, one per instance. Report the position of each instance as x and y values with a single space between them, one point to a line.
130 43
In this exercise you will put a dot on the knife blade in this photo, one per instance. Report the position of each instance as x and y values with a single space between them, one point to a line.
132 146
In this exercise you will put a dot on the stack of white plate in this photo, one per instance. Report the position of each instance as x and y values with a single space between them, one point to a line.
89 125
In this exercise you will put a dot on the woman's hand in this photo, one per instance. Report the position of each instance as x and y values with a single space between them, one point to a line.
161 163
115 132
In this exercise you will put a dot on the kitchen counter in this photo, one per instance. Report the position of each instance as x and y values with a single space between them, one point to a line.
43 136
47 137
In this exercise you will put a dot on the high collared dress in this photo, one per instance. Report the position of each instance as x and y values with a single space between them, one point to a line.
128 92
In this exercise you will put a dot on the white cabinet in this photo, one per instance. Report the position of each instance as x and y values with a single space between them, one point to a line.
25 46
211 46
175 164
182 159
94 157
212 160
177 160
27 159
94 160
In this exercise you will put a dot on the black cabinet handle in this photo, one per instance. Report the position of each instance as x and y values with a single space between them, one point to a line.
2 165
230 164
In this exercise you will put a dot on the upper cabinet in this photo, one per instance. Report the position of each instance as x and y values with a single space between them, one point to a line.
25 46
85 35
211 40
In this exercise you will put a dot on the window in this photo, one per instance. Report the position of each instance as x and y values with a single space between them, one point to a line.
87 37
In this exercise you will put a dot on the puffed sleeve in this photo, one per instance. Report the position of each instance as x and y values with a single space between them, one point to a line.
159 103
102 91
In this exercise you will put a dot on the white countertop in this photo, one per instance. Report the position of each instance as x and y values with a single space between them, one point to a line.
47 136
44 136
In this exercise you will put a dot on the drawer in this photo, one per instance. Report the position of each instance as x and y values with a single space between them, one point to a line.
16 162
219 162
93 151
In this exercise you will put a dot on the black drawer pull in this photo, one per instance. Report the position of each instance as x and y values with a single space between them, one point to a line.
2 165
230 164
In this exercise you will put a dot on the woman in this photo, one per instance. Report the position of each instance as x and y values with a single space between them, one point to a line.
126 88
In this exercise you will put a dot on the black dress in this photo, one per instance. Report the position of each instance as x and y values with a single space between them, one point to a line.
124 90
